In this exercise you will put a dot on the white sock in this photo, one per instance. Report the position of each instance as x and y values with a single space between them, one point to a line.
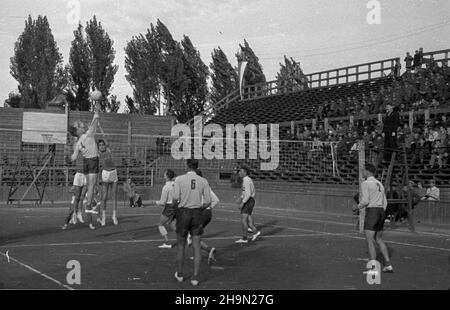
162 230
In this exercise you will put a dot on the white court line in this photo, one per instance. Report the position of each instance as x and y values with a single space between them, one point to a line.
118 215
38 272
149 241
333 222
348 235
297 218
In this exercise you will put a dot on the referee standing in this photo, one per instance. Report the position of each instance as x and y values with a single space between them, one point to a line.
190 190
374 200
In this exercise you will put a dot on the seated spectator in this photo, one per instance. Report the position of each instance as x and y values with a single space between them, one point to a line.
438 151
444 122
129 187
431 136
417 192
432 193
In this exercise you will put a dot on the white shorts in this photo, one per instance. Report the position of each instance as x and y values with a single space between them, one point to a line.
109 176
79 180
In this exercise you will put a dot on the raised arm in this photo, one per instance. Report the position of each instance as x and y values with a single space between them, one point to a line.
93 126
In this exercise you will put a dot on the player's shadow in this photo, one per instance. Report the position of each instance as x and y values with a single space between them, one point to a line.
135 233
213 235
128 219
269 228
14 238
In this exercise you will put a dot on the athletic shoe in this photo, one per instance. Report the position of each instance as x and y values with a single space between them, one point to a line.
115 221
194 281
250 230
64 227
165 246
388 269
179 279
189 240
103 221
256 235
99 220
91 211
241 241
80 217
92 227
211 256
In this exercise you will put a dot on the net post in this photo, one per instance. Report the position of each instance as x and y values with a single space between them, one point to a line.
361 164
151 178
145 166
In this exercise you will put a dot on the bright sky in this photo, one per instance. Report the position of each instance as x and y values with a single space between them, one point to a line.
321 34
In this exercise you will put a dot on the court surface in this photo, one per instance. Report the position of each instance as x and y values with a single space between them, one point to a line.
297 250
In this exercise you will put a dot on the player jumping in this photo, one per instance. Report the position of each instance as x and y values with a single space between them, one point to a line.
79 191
87 146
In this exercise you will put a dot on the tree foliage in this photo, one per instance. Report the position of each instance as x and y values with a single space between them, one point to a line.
291 77
143 62
254 73
35 63
80 70
159 65
101 56
224 78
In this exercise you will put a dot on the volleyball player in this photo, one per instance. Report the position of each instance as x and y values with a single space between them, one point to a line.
169 212
247 203
87 147
79 191
373 199
189 190
109 180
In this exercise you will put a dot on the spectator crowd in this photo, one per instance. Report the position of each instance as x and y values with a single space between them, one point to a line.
424 85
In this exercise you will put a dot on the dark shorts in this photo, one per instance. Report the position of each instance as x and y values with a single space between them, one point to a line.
207 216
169 211
248 206
91 165
374 219
189 221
